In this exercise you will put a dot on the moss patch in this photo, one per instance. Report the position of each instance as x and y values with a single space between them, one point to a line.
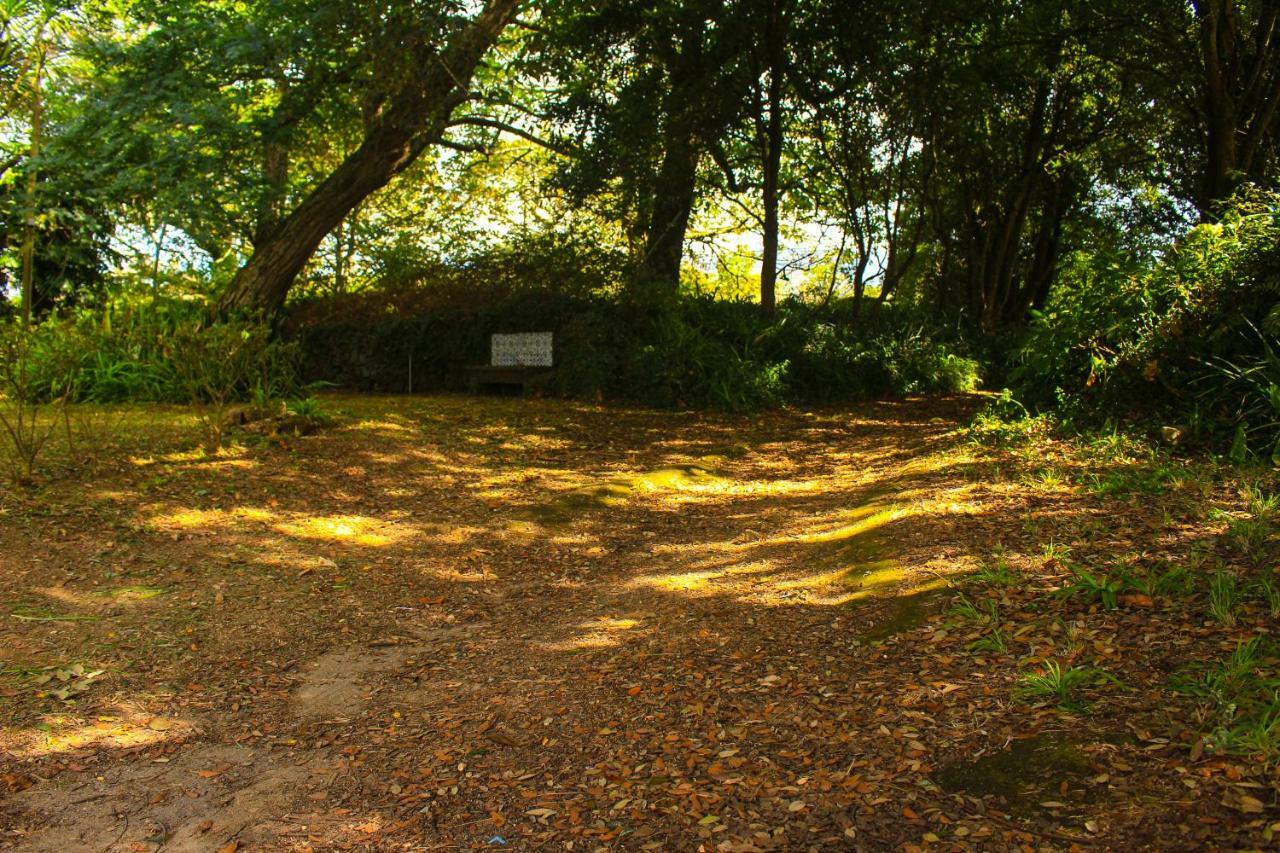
1028 774
906 613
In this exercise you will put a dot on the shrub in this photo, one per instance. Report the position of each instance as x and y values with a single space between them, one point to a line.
219 364
697 351
1189 336
25 427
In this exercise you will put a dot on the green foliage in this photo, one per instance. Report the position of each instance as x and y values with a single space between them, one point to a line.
26 425
133 354
309 408
1170 582
994 641
1268 591
1242 700
1224 597
1188 336
1250 533
696 351
150 353
965 609
1062 684
1103 588
994 573
845 361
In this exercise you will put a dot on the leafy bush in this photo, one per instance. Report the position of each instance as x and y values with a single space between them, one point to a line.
1189 336
137 355
840 362
697 351
218 364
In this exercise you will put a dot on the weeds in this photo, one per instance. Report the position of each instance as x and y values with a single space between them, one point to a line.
1269 592
1103 588
1048 480
1056 551
1242 700
26 429
966 610
308 408
1224 598
1063 685
1173 582
994 641
1251 533
995 573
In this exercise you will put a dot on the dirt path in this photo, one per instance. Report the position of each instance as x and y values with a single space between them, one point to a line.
450 624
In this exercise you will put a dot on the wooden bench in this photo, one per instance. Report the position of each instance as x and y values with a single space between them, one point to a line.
526 360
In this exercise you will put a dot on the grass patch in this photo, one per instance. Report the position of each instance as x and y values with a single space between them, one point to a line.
1240 700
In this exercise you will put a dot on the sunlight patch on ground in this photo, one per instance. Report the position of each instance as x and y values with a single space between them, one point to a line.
65 734
864 576
902 587
669 483
454 535
372 425
862 520
194 519
98 598
705 581
356 529
459 576
600 633
220 464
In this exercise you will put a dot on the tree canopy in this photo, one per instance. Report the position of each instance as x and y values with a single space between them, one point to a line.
954 153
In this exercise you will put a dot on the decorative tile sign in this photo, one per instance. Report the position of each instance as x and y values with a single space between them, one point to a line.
527 349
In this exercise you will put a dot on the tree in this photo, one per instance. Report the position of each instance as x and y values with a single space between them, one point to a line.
402 121
644 93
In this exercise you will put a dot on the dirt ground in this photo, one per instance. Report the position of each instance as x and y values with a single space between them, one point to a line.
459 623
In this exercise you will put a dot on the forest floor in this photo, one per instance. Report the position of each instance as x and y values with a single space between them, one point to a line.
456 623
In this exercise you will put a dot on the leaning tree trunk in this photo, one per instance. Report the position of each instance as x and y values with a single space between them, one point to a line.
412 118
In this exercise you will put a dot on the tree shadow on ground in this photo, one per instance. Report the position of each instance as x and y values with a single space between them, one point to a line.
612 624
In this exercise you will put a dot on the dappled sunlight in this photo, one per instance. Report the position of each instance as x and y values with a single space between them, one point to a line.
378 425
865 576
885 582
483 575
863 520
763 488
635 603
59 734
228 464
454 534
354 529
101 597
600 633
194 519
703 581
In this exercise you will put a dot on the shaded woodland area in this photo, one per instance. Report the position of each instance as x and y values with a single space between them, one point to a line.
896 468
913 197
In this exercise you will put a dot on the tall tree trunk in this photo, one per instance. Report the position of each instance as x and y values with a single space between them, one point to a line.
29 216
675 185
775 39
410 119
1218 47
275 173
673 196
1240 93
772 166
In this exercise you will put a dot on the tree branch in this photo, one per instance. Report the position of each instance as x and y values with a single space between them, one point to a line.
503 127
